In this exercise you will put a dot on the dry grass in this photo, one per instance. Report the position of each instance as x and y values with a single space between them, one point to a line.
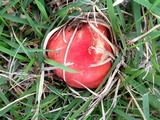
29 89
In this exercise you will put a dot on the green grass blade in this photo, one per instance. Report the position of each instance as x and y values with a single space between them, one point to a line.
42 9
26 3
112 16
4 22
29 105
21 45
148 5
146 106
137 17
154 102
80 110
12 3
4 98
23 21
123 114
58 65
12 53
121 18
10 105
37 31
26 70
133 76
64 12
122 39
55 91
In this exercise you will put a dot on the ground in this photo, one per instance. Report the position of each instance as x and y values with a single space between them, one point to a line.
29 88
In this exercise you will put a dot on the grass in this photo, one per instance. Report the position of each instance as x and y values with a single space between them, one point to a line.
30 90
